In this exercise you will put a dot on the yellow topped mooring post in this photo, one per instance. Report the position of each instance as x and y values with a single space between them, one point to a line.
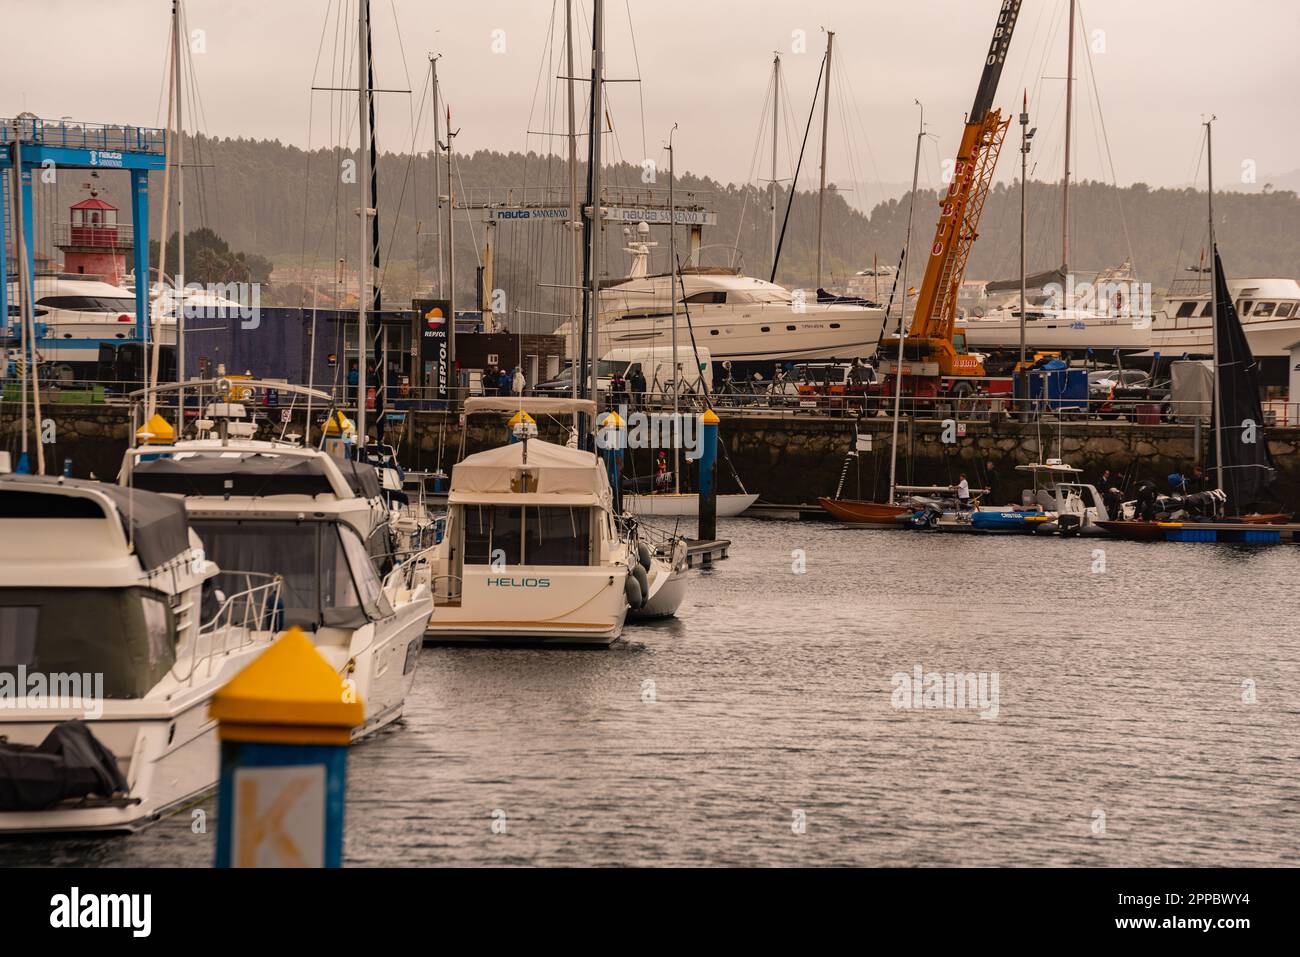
340 435
611 439
284 722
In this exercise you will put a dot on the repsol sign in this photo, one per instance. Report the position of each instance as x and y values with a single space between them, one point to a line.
519 583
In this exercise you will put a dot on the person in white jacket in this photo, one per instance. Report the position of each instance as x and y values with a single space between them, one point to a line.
519 382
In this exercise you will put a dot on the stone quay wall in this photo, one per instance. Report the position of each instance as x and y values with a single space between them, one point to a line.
789 459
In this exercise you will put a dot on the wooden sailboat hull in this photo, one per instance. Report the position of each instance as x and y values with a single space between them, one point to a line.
866 513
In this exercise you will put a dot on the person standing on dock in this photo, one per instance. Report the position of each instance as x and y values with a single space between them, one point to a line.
637 382
963 493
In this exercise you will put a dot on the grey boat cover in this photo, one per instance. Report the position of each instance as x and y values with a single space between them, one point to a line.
125 635
1034 283
154 523
251 476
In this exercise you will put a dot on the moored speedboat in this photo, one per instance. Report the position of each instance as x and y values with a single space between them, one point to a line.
108 606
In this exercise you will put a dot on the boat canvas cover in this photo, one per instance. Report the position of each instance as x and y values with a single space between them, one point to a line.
1237 419
363 479
246 476
1034 283
1191 390
128 635
559 470
71 763
154 524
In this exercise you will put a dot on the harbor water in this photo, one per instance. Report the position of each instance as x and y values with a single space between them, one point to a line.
1138 707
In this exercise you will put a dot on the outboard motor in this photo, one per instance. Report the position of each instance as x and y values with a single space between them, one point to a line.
1069 525
1146 505
926 517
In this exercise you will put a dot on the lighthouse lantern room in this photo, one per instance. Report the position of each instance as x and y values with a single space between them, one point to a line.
94 244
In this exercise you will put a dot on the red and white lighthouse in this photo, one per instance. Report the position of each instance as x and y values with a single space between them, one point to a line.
94 244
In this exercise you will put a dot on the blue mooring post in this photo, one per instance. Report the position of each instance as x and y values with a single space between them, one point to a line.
708 530
612 437
285 723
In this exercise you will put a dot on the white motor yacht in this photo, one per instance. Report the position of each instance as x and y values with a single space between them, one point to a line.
736 317
1269 310
113 640
317 521
77 316
532 549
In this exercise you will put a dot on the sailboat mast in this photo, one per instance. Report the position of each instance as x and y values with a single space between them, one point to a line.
363 181
1214 308
826 118
594 194
672 278
776 114
1069 122
437 172
575 234
451 264
180 219
907 261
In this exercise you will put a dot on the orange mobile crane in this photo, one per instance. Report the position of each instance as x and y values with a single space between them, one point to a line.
935 360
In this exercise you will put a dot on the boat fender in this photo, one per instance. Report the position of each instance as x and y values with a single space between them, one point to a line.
643 555
643 582
632 591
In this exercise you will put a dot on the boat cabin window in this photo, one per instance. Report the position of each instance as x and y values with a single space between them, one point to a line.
1208 310
527 535
1243 307
89 303
328 578
126 634
1186 310
712 296
1284 310
1265 309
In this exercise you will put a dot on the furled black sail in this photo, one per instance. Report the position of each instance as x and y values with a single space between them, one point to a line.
1237 421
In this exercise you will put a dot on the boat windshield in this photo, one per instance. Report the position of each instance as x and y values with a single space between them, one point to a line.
527 535
329 580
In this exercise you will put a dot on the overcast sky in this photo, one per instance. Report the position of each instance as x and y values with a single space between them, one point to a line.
1160 65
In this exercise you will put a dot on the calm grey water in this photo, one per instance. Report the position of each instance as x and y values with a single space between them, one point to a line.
1124 734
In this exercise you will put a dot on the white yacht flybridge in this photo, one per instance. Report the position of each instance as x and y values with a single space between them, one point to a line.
533 550
316 520
736 317
113 640
1269 310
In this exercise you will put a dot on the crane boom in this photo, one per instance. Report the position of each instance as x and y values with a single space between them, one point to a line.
930 337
